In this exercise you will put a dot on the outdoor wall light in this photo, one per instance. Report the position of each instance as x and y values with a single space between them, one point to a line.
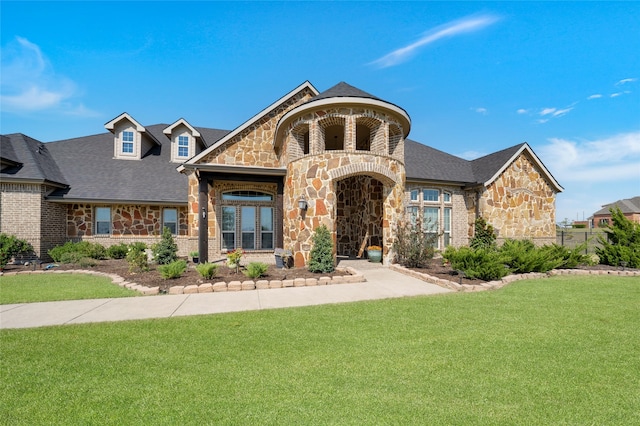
302 203
204 213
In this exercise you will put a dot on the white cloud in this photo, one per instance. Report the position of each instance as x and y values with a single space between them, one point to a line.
523 111
596 96
615 95
454 28
29 82
610 159
547 111
481 110
626 80
472 155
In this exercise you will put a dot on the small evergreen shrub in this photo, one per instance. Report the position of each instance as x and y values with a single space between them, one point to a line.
207 270
87 262
118 251
173 270
482 264
522 256
137 258
71 252
10 247
166 250
321 255
484 235
414 248
622 242
256 269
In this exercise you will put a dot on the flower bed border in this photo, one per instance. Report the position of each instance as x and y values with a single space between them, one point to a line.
351 276
492 285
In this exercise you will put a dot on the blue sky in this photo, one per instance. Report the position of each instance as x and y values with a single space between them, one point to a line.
475 77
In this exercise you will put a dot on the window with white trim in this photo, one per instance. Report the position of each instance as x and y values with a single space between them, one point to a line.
247 220
103 220
183 146
127 142
170 220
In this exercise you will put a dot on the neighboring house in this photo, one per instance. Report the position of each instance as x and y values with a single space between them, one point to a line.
343 154
630 208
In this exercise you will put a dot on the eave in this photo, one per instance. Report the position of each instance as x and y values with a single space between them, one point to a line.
238 170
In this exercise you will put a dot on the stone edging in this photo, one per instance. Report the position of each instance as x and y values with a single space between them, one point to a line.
354 277
491 285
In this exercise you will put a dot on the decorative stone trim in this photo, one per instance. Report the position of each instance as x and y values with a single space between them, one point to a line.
492 285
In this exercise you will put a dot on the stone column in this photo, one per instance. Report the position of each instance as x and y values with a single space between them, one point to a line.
279 217
203 219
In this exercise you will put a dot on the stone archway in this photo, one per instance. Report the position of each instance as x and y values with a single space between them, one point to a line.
359 213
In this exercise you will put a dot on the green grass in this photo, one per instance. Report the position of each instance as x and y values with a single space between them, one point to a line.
555 351
51 287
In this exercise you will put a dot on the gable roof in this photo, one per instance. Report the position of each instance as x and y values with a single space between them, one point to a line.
32 160
110 126
185 123
248 123
425 163
627 205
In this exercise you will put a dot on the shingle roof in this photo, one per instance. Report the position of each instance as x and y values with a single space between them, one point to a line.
33 157
484 168
341 90
628 205
425 163
211 136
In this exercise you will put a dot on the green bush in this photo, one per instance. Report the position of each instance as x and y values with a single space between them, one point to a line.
522 256
207 270
10 247
173 270
569 258
256 269
71 252
321 255
482 264
622 242
414 248
118 251
166 250
484 235
137 258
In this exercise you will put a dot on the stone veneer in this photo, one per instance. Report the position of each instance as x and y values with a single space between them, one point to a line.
317 177
520 203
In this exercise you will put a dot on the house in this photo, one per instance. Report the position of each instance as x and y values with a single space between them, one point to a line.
630 208
342 154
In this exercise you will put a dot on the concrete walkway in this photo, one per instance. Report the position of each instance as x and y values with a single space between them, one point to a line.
381 283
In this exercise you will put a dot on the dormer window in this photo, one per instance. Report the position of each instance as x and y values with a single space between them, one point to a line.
127 142
183 146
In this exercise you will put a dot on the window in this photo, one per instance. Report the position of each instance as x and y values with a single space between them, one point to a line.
183 146
446 225
414 194
446 197
170 220
127 142
430 195
430 222
103 220
247 220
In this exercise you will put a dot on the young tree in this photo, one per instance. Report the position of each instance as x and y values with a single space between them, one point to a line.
321 256
166 250
622 242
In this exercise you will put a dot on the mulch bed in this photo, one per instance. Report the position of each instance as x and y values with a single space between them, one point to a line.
152 278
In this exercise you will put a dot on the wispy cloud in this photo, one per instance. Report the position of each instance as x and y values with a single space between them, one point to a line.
596 96
626 80
615 158
29 82
450 29
549 113
472 155
615 95
481 110
522 111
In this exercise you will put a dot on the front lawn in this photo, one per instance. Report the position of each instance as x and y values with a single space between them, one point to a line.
562 350
47 287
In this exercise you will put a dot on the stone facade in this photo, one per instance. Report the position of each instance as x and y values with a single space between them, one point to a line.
520 203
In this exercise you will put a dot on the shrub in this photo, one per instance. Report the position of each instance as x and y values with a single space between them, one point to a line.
10 247
570 258
118 251
413 247
207 270
256 269
321 256
137 258
71 252
166 250
522 257
173 270
484 235
622 242
86 262
482 264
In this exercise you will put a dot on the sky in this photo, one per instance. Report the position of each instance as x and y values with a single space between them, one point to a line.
475 77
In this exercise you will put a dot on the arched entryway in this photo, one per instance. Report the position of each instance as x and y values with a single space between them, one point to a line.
359 214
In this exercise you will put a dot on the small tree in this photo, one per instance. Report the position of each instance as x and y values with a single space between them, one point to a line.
484 236
622 242
166 250
414 247
321 256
